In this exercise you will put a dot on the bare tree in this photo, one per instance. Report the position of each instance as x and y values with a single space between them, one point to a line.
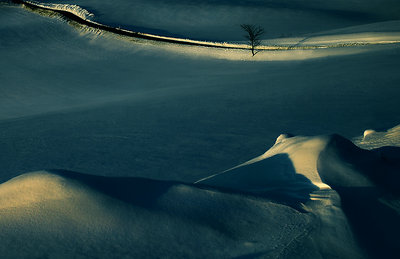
253 36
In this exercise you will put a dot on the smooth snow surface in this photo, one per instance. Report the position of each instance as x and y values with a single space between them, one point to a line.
128 140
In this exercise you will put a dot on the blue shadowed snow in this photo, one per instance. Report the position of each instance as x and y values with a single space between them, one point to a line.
139 137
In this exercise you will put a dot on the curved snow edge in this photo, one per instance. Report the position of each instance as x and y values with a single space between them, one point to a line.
82 16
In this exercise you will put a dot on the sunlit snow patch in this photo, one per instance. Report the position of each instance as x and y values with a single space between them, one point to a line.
70 215
289 168
372 139
299 166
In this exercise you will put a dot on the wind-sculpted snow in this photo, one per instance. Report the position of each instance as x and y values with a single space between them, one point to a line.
289 167
305 164
367 182
240 212
77 92
303 167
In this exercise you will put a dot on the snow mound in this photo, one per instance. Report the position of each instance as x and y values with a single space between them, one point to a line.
62 214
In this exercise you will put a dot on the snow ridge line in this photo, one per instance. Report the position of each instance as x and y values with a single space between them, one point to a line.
77 14
81 19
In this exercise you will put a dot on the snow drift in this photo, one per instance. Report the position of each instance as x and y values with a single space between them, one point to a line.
234 213
307 167
322 162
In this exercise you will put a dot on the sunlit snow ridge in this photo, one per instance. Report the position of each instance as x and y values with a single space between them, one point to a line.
77 14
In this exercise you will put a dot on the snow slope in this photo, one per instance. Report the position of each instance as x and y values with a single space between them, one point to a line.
220 20
51 215
174 114
292 163
84 215
308 168
117 109
330 44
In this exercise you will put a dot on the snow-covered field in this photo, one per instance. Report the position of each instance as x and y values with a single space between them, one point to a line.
117 147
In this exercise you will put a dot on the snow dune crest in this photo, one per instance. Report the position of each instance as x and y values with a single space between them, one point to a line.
302 165
294 156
